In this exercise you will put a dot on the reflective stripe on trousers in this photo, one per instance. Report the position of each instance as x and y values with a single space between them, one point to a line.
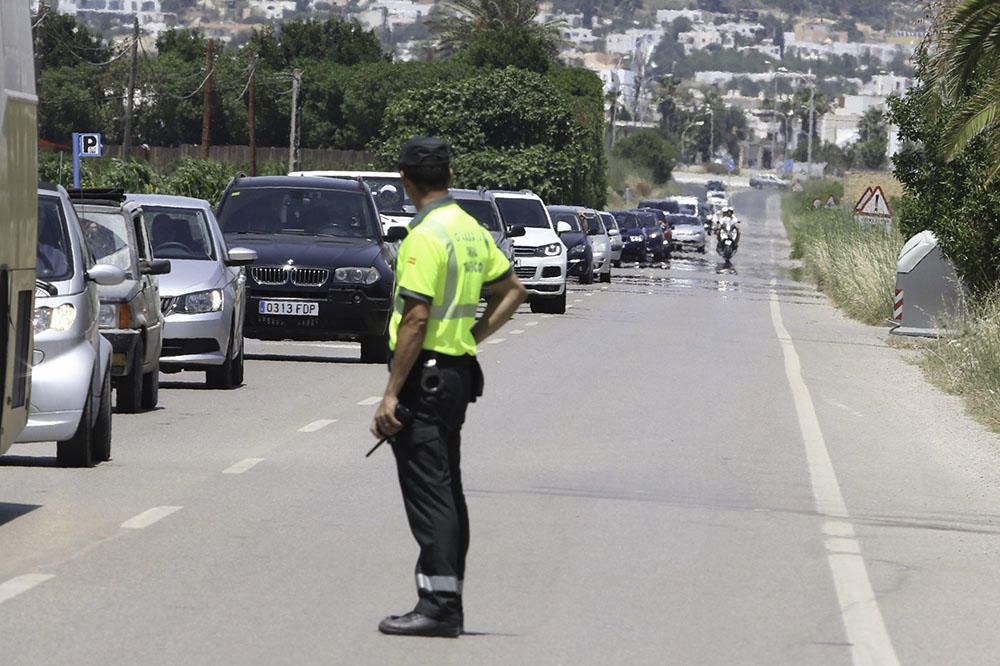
449 584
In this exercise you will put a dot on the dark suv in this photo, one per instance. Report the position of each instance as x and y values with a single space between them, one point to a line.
324 268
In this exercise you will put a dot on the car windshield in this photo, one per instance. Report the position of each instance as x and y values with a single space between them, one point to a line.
685 219
595 225
483 211
300 211
609 221
666 205
55 256
107 237
523 212
647 219
626 220
568 216
687 208
390 196
178 233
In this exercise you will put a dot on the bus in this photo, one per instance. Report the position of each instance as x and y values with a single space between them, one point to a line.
18 216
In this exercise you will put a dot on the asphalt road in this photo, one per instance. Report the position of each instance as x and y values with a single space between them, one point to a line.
695 465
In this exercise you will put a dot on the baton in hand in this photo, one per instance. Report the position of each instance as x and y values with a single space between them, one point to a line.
403 415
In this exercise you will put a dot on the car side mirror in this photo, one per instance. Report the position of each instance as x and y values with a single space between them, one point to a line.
241 256
154 267
106 275
562 227
396 234
614 232
516 231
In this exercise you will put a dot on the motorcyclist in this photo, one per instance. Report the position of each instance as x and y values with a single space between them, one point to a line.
727 221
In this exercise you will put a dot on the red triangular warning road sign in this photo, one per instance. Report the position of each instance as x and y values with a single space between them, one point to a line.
875 205
864 198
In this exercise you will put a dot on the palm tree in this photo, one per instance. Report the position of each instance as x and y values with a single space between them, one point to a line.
464 20
964 73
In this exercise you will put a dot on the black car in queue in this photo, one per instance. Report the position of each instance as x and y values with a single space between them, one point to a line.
324 269
633 237
570 225
658 237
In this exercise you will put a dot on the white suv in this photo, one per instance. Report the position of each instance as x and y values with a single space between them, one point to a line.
539 255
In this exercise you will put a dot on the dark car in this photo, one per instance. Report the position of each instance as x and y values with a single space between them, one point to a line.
481 205
715 186
633 237
569 224
324 268
668 206
654 221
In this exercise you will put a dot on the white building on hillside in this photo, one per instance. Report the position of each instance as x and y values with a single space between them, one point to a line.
632 41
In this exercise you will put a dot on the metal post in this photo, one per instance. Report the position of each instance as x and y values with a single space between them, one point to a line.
76 159
711 133
130 99
206 110
774 134
293 137
812 121
251 118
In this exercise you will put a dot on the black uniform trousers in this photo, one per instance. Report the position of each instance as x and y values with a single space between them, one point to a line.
428 455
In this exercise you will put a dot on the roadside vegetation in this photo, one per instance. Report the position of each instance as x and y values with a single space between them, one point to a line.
855 265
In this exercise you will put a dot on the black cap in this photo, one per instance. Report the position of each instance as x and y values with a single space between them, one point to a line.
424 151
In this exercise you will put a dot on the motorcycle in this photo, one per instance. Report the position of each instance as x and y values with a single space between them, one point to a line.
727 240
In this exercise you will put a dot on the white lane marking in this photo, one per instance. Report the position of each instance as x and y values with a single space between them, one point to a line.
859 609
578 300
374 400
21 584
589 293
149 517
317 425
604 288
531 323
495 341
569 305
242 466
516 331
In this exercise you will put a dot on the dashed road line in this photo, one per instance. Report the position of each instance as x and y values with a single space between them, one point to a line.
242 466
531 323
516 331
149 517
21 584
495 341
374 400
317 425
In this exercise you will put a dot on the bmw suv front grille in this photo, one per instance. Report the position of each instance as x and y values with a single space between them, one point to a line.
282 275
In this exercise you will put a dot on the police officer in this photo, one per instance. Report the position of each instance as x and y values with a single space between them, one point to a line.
443 264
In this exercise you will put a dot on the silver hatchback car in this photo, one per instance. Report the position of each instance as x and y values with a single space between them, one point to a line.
203 298
71 374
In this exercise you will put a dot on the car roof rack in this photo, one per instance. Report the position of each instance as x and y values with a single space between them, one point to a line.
45 185
97 195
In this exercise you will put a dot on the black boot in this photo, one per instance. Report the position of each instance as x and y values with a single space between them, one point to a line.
417 624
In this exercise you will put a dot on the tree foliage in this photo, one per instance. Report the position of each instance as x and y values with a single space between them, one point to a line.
463 21
508 128
649 149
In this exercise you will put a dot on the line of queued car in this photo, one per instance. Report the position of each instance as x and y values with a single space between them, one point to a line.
132 285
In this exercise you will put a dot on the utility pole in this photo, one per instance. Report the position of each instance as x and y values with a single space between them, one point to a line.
206 107
812 122
711 133
295 131
130 98
251 119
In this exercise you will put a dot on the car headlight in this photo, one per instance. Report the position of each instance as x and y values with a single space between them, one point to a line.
59 318
353 275
550 250
200 302
113 315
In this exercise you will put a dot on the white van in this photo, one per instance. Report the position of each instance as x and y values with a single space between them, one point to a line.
539 255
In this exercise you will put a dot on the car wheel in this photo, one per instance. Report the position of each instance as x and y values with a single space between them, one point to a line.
238 366
77 451
606 277
151 388
616 264
221 376
588 277
557 305
129 398
101 443
374 349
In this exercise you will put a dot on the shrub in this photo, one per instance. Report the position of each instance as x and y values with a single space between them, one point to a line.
202 179
651 150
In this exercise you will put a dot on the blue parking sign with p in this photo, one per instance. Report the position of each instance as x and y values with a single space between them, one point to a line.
85 144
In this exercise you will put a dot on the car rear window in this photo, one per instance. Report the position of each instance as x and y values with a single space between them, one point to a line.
685 219
299 211
178 233
107 237
55 255
523 212
569 217
483 211
390 195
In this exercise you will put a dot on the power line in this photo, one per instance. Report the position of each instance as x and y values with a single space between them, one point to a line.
127 49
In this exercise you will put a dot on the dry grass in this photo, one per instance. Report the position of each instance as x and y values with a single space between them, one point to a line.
854 264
